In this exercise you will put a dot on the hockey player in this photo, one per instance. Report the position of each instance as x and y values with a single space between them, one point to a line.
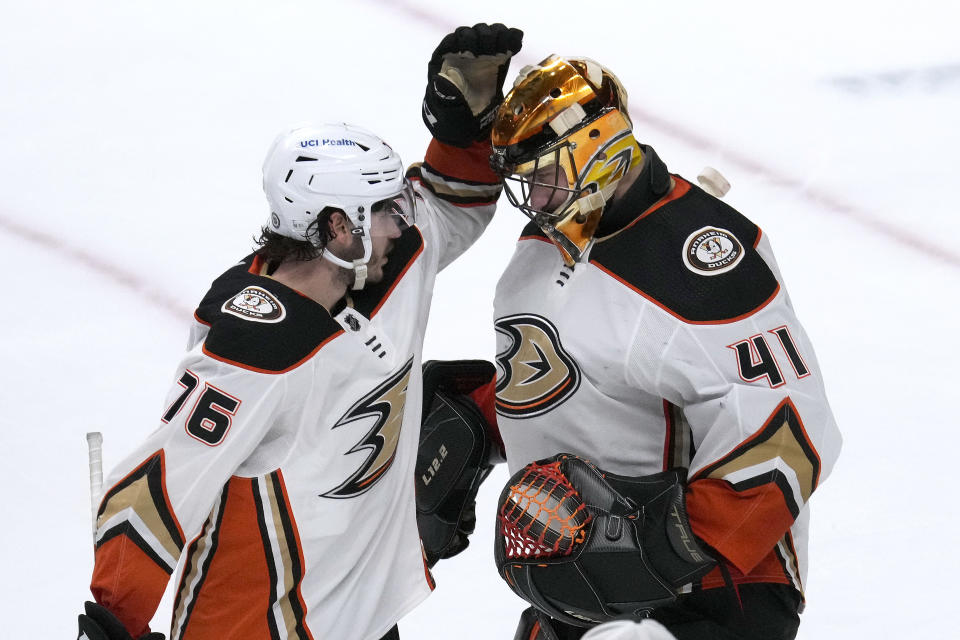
643 326
282 465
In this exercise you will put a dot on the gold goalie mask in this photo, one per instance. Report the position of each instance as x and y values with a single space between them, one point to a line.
562 141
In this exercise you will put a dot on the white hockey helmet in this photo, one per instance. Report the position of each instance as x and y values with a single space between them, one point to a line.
311 167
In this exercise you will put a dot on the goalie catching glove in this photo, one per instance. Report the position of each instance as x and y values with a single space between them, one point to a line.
456 452
585 546
465 82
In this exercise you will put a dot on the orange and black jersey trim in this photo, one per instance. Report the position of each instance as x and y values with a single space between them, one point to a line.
300 326
678 445
779 566
460 177
155 530
406 249
138 540
250 588
774 471
646 253
268 347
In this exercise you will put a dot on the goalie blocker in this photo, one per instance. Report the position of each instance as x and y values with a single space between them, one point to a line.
459 444
584 546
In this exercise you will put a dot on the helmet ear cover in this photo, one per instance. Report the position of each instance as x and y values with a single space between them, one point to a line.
585 546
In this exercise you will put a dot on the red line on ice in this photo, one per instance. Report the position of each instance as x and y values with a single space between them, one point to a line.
871 221
115 273
847 210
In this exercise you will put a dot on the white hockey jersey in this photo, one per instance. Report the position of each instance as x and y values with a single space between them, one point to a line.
674 345
283 464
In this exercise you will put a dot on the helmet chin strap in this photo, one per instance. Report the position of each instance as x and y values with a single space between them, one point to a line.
359 274
358 266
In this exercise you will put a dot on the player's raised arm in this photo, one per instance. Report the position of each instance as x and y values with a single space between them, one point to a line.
465 78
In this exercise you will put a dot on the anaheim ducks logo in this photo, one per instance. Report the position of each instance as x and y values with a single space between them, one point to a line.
710 250
536 374
257 304
385 404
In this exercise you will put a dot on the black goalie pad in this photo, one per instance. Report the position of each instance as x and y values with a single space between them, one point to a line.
454 455
585 546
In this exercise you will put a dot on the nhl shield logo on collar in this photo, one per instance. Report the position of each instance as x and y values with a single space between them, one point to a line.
709 251
256 304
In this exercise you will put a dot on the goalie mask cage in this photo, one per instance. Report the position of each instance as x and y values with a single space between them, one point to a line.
542 515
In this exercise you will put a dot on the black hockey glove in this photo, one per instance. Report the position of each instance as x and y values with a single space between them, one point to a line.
465 82
99 624
585 545
455 455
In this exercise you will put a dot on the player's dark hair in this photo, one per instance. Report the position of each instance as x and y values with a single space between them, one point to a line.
274 248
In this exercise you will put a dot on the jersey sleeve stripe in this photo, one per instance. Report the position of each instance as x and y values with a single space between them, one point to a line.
468 186
781 448
127 523
787 555
450 185
767 474
453 192
745 502
678 446
138 542
462 177
470 165
139 504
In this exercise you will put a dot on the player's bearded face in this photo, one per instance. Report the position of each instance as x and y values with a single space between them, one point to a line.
384 230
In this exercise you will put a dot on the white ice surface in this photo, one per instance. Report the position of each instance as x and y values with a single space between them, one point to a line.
131 137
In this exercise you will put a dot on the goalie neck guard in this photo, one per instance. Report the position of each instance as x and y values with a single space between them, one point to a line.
585 546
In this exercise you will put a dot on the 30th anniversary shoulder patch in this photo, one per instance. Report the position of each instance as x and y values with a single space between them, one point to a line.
709 251
256 304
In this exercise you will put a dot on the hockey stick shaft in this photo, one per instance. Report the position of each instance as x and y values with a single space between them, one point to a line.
95 457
